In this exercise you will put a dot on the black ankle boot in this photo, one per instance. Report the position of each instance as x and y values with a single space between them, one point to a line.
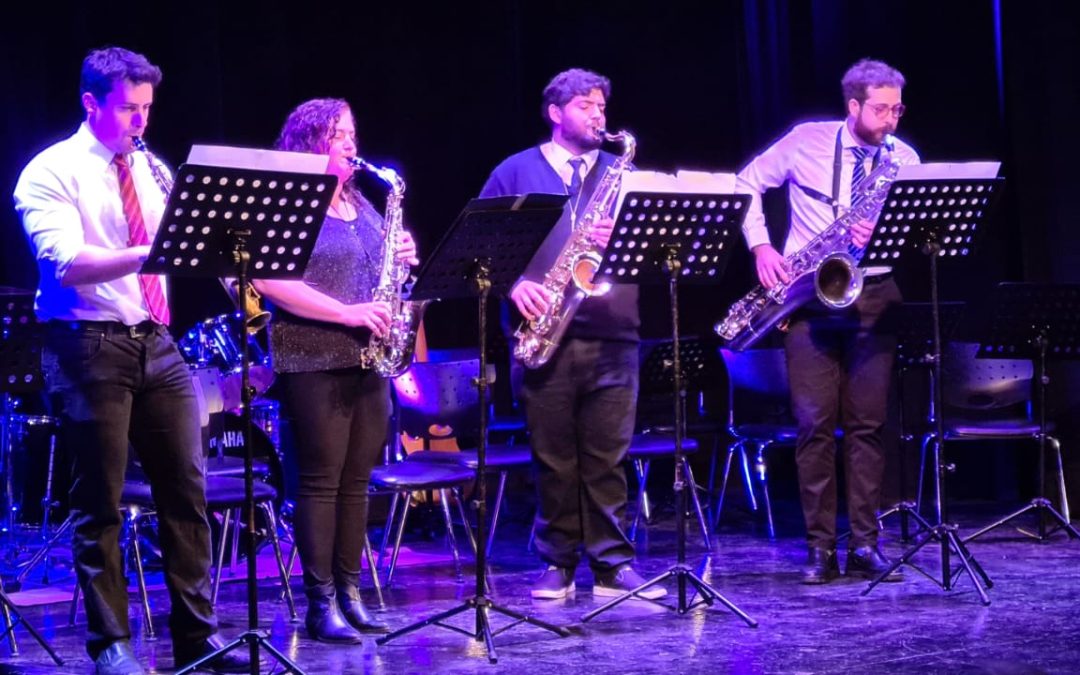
358 616
325 623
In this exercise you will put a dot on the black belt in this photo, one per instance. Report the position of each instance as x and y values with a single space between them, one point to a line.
139 330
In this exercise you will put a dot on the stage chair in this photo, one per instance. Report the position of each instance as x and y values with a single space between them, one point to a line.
989 399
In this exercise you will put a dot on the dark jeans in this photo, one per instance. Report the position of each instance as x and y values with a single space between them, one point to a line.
840 365
580 410
339 420
112 388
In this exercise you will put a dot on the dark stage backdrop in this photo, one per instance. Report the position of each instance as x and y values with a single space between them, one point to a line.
445 90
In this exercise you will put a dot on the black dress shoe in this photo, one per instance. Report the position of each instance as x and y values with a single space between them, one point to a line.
117 659
867 562
358 616
325 623
235 661
821 566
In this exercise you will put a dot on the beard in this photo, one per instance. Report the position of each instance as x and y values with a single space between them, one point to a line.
872 136
585 138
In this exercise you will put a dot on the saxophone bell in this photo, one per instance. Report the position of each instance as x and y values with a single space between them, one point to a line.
838 281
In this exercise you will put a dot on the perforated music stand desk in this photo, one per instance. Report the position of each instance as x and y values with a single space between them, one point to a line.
486 250
1039 322
941 218
673 238
223 221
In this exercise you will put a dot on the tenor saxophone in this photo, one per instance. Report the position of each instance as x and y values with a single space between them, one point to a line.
570 279
391 355
825 268
255 317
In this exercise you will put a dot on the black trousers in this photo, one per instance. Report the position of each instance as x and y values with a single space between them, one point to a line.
580 409
840 368
112 387
339 420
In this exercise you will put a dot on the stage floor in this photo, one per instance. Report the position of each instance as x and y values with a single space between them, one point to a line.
911 627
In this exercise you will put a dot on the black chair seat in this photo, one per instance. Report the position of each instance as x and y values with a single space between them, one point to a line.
776 433
497 458
993 428
410 476
233 467
698 428
646 446
221 493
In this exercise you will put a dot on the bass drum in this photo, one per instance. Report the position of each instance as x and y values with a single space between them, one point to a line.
213 343
224 443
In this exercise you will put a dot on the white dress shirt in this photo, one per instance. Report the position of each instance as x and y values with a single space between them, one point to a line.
805 156
69 196
559 159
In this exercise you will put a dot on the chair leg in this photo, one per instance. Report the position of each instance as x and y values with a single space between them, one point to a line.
451 539
388 529
723 484
692 484
219 568
133 521
927 439
370 557
713 515
641 470
763 475
748 484
1061 478
9 628
271 527
397 539
239 525
73 611
495 513
465 522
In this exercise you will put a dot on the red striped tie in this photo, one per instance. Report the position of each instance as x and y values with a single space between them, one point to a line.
149 283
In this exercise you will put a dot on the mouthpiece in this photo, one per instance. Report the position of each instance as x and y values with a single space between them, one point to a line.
139 143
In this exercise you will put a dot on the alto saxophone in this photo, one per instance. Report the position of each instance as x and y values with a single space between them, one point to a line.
570 279
392 355
255 317
825 267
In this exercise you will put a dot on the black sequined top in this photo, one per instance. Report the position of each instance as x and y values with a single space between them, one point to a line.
345 266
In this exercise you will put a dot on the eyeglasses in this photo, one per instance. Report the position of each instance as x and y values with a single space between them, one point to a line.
881 109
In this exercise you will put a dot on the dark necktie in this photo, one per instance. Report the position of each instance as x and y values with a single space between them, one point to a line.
152 292
858 173
576 165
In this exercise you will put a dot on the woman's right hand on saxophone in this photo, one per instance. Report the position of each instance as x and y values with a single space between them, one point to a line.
772 268
374 316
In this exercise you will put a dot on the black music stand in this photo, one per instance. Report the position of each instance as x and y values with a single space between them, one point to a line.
486 250
1036 322
939 218
665 237
20 373
914 350
701 368
243 223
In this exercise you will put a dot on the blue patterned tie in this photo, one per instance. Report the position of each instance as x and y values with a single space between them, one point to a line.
858 173
576 164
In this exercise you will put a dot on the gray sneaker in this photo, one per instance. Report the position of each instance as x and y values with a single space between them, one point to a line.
623 580
554 584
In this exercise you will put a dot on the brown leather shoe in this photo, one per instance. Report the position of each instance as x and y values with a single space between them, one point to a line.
868 562
821 566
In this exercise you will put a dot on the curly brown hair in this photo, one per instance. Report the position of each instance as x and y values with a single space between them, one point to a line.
310 128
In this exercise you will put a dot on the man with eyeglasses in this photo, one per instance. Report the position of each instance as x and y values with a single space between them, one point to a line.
839 361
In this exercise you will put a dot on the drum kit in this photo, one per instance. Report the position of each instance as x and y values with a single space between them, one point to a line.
34 461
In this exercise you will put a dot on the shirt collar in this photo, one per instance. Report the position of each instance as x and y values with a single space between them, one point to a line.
558 156
93 145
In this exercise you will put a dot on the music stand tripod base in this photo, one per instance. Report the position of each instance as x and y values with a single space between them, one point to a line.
942 219
485 251
666 238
